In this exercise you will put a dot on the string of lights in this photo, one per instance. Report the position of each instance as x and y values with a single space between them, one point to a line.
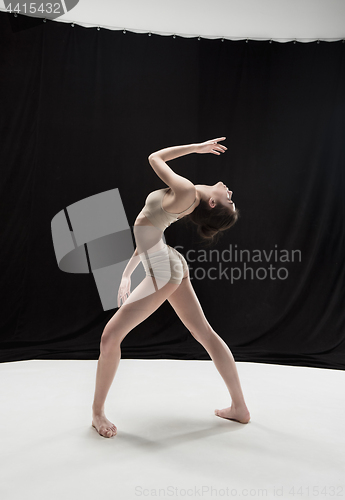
221 38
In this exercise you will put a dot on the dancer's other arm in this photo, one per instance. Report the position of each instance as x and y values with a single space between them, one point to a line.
132 264
125 285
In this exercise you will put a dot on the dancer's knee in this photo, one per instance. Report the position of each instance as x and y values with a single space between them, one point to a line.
204 335
110 342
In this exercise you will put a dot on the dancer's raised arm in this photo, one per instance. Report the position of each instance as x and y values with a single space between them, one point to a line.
172 152
158 160
178 183
210 146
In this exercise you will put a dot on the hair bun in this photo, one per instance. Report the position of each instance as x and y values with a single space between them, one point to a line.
211 224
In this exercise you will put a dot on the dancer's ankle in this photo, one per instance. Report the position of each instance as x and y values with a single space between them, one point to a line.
239 405
97 410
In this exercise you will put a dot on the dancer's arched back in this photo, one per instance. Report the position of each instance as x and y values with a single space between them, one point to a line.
167 278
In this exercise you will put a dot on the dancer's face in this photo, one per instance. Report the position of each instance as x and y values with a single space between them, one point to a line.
221 194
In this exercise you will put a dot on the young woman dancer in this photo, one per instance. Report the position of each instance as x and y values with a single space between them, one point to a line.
167 277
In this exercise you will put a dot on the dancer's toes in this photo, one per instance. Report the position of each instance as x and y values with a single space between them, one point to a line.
103 426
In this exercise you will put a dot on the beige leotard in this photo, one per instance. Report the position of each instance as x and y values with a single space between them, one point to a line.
165 264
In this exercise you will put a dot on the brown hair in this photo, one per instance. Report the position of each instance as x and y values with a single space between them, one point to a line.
212 222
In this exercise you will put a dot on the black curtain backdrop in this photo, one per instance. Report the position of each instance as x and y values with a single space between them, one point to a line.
81 110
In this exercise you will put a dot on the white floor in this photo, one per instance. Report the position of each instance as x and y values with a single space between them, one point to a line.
169 442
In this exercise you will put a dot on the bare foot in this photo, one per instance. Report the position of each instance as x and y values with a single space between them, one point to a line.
241 415
103 426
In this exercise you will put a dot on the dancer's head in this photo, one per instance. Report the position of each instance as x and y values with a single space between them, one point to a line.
215 213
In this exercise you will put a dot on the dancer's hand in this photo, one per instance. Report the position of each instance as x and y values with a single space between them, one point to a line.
124 290
211 146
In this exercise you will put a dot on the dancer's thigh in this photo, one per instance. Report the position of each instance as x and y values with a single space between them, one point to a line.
188 308
141 303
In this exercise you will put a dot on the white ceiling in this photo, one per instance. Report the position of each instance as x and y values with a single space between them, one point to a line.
280 20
